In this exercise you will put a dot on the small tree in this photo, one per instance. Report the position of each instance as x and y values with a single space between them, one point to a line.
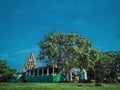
6 73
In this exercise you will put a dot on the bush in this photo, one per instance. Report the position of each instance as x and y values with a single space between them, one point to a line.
98 84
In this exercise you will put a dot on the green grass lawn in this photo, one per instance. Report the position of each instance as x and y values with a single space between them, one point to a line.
57 86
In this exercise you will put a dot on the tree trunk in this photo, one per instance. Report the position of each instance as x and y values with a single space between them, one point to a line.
70 76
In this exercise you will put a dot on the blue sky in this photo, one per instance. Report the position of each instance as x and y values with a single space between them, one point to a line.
24 22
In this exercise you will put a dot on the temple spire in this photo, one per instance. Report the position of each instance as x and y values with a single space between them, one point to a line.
30 63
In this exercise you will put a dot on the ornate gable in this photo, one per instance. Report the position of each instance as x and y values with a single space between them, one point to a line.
30 63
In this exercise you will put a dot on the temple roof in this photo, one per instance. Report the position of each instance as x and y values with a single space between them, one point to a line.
30 63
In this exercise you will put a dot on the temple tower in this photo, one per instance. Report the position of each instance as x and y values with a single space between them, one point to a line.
30 63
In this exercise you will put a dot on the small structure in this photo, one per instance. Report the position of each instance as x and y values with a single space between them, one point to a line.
83 74
30 63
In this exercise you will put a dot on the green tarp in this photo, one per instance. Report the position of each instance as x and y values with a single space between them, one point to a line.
47 78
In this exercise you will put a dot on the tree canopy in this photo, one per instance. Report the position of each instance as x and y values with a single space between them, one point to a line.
66 50
107 68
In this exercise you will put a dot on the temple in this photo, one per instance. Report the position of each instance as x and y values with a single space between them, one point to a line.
30 63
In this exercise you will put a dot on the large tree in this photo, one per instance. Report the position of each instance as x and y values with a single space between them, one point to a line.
6 73
65 50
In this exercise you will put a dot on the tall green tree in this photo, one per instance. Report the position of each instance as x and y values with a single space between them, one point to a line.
6 73
103 68
115 67
107 68
94 57
65 50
